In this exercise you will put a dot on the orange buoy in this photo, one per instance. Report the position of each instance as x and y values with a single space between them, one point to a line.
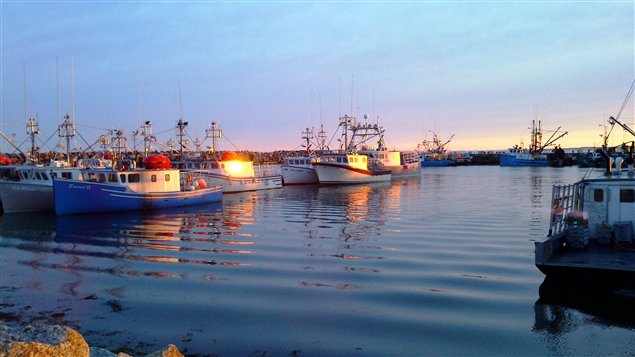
201 183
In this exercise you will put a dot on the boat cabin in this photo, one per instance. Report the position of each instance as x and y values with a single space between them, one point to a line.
36 174
140 181
237 169
352 160
303 161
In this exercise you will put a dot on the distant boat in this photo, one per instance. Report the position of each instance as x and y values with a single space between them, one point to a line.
110 190
534 155
433 153
348 169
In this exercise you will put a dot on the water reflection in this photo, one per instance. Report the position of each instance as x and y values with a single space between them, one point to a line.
198 235
566 306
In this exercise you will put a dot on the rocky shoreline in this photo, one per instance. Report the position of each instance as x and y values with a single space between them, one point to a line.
57 340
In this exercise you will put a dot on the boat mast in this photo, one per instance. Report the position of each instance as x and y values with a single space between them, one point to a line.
181 126
214 132
67 130
306 135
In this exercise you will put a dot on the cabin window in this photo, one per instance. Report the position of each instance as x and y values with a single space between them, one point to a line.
214 165
598 195
345 159
53 174
627 195
102 178
67 175
153 178
167 177
123 178
37 176
339 159
364 159
112 178
134 178
44 176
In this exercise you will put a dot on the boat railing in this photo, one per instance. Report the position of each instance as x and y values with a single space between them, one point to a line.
266 169
564 199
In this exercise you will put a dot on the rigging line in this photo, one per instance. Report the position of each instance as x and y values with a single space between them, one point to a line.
92 127
226 138
628 96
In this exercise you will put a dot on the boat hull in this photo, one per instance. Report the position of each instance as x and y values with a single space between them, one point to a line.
405 170
73 197
435 163
513 160
297 175
337 174
234 184
25 197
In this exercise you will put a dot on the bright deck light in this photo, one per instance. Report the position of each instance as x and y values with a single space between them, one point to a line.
234 166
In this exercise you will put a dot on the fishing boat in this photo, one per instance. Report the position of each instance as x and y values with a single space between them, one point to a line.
153 187
351 168
433 153
228 169
534 155
591 227
299 169
400 163
28 187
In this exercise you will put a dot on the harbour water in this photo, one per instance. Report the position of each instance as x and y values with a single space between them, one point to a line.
441 264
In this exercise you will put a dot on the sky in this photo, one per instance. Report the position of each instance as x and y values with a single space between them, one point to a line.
265 71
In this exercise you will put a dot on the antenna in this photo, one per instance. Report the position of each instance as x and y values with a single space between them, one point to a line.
26 102
57 90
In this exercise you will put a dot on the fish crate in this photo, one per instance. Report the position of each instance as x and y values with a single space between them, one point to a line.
623 231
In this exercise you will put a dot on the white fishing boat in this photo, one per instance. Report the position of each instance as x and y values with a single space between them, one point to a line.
228 169
298 170
592 225
348 169
28 187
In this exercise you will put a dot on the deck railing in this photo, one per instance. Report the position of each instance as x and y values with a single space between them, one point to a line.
564 199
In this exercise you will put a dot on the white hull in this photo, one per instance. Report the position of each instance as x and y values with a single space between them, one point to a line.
26 197
411 169
232 184
334 174
296 175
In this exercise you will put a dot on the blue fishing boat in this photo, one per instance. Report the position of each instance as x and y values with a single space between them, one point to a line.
532 156
433 153
155 186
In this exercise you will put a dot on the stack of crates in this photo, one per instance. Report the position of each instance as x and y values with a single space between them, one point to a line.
577 229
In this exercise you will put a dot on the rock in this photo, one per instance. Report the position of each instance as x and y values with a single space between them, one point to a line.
168 351
44 341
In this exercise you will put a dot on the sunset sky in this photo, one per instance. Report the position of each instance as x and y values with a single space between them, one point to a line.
267 70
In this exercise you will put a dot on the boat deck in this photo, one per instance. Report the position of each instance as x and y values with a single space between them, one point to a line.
604 261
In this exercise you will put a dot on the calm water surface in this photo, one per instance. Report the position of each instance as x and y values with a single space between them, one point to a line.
440 264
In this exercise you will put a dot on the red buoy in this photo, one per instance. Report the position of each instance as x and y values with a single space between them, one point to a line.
157 162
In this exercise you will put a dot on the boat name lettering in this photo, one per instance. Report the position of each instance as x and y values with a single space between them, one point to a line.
79 186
